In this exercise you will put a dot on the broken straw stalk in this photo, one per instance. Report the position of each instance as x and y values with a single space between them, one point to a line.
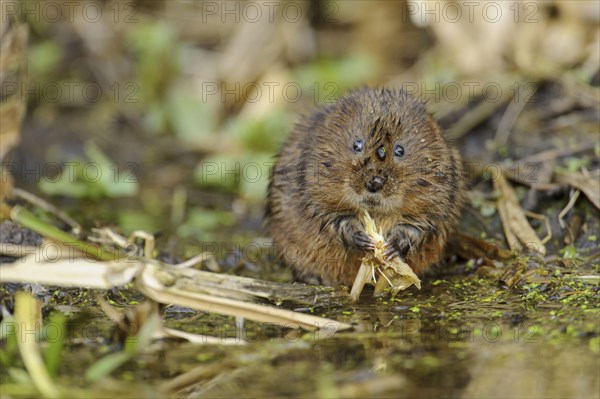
394 273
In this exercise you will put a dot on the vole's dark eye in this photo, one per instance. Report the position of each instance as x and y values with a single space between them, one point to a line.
398 150
358 145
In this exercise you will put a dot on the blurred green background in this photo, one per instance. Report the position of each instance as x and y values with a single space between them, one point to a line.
167 114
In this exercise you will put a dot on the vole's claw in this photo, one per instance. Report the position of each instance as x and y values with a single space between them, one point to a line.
391 251
363 241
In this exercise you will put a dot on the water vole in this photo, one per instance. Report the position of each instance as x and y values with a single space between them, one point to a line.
374 149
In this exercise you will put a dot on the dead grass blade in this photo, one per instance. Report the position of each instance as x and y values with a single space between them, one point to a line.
589 185
516 227
26 318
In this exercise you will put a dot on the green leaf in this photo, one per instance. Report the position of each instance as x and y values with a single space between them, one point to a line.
130 220
43 58
568 252
327 79
144 336
106 365
255 176
96 178
200 221
219 171
190 118
113 182
8 334
56 341
261 134
156 60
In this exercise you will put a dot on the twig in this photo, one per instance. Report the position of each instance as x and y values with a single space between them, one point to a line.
107 236
545 175
511 114
549 155
193 261
27 219
476 116
567 208
582 92
45 205
148 242
546 222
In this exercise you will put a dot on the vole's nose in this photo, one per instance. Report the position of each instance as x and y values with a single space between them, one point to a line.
375 184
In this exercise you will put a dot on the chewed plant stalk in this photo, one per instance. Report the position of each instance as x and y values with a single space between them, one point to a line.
375 268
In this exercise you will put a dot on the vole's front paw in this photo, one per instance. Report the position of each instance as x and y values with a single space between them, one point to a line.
351 233
403 239
362 241
391 250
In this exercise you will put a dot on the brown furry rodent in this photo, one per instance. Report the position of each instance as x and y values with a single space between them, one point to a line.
374 149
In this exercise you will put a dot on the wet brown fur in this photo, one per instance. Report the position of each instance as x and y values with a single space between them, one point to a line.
318 185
